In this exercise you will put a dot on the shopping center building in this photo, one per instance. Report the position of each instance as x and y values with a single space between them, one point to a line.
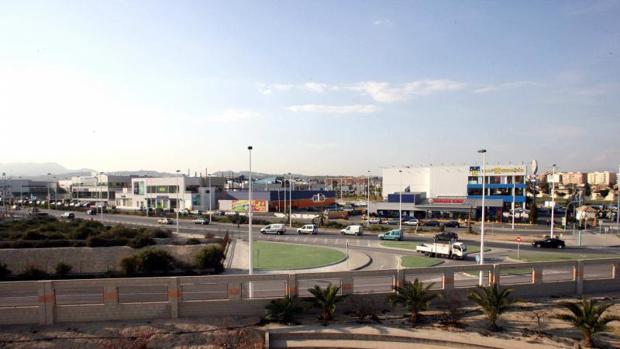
451 190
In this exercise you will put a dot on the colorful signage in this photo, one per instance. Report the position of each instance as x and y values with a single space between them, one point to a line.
498 170
453 201
242 206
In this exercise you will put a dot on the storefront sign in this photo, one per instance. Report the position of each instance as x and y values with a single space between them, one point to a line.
453 201
498 170
242 205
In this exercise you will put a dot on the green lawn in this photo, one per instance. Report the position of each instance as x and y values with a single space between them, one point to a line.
419 261
411 245
273 255
558 256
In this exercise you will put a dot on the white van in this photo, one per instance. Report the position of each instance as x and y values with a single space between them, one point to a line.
274 229
352 230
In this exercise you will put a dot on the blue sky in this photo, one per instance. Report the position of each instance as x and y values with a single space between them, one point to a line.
317 87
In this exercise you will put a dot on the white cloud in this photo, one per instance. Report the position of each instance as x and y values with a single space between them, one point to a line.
233 115
386 92
382 21
318 87
268 89
505 86
334 109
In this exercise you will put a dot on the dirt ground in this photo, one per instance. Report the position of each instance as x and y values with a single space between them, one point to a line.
532 322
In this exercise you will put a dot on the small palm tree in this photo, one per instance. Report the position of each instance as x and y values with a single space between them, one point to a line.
493 302
326 299
283 310
414 296
587 317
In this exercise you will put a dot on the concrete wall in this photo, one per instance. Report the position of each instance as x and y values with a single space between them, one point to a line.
49 302
82 259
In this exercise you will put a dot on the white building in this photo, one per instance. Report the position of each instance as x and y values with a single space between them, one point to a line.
168 193
604 178
433 181
98 187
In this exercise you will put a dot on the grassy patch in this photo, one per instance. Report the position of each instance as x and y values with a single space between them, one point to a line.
419 261
411 245
271 255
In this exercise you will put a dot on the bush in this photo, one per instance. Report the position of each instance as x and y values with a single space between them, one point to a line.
149 261
160 234
193 241
34 235
4 271
141 241
32 273
63 269
210 257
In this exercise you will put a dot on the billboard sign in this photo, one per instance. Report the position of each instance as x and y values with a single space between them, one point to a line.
242 206
498 170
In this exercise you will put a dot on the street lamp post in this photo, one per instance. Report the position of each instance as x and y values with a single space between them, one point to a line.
483 152
48 189
178 206
552 200
368 200
100 194
514 188
250 261
290 201
210 197
400 202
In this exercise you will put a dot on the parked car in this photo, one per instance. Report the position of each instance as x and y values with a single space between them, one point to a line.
352 230
412 222
391 235
201 220
274 229
431 223
165 220
308 229
91 212
549 243
374 220
451 224
68 215
392 221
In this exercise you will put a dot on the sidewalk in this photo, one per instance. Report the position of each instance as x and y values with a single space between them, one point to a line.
356 260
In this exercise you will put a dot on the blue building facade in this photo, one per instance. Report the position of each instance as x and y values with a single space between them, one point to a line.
502 182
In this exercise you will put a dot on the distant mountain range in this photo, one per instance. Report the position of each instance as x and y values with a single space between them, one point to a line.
39 170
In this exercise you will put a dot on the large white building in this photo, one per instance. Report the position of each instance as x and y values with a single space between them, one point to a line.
98 187
168 193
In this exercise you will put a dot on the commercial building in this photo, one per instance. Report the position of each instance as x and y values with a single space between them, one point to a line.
98 187
604 178
17 188
452 189
170 193
277 200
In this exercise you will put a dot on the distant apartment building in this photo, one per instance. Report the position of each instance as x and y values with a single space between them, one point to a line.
573 178
603 178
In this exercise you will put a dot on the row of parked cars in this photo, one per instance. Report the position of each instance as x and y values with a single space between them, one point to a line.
415 222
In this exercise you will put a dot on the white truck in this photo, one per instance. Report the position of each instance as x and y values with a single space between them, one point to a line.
446 249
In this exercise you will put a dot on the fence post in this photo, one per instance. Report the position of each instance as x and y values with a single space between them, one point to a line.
578 277
399 278
234 290
497 272
447 280
537 275
347 284
110 295
615 272
47 302
291 285
174 294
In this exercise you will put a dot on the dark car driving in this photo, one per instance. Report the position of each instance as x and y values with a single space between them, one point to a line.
451 224
447 236
549 243
431 223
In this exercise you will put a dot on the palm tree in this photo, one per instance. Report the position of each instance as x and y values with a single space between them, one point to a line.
283 310
414 296
587 317
326 299
492 301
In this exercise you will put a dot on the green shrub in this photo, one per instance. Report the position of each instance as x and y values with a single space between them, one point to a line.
4 271
34 235
149 261
56 236
32 273
141 241
209 257
63 269
193 241
160 233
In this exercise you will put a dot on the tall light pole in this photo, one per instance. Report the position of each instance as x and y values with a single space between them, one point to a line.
514 188
178 206
290 201
552 199
48 189
400 202
483 152
210 197
368 200
250 261
100 194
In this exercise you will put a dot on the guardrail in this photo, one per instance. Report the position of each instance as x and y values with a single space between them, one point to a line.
58 301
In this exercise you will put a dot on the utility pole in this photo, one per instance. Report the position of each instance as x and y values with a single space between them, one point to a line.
250 252
483 152
552 199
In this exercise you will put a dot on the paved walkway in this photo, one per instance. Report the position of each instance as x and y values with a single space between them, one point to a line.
239 263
